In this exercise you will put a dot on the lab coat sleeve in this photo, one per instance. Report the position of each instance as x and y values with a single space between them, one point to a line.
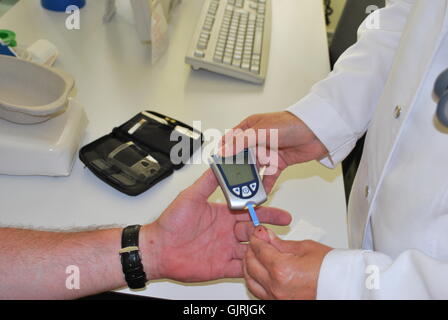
339 108
356 275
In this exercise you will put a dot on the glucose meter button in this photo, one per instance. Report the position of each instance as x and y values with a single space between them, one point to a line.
237 191
246 191
253 186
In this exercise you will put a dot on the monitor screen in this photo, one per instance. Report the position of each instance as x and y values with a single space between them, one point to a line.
237 174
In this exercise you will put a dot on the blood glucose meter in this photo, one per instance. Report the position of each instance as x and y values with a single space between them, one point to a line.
239 180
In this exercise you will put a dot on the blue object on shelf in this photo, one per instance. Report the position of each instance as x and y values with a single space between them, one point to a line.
61 5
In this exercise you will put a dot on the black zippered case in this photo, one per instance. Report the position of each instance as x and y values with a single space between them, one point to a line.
140 153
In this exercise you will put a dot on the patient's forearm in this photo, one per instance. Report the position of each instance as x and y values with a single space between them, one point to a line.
33 264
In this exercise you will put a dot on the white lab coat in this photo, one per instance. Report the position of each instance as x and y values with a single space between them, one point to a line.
398 211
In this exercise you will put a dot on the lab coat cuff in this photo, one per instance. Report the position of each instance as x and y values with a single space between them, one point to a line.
342 275
328 126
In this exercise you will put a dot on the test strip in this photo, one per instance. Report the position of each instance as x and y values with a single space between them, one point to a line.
187 132
151 159
154 117
137 126
253 214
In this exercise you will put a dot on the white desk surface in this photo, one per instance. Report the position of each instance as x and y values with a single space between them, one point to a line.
115 81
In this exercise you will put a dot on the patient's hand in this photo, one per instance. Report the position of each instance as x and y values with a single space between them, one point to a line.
194 240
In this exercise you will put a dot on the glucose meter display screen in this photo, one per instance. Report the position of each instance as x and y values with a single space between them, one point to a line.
237 174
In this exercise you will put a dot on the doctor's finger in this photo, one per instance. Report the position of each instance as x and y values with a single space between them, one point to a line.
249 122
265 140
224 147
266 254
244 230
256 270
236 140
254 287
270 180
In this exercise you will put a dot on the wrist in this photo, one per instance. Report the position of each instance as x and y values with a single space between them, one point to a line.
301 132
298 129
151 251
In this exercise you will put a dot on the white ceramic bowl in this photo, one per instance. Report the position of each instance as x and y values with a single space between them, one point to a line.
31 93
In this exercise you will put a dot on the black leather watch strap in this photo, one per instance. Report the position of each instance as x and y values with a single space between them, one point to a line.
130 258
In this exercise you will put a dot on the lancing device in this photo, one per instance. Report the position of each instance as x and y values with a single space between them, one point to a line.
240 181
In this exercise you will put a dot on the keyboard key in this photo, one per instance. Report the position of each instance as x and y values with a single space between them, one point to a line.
258 42
227 60
203 38
255 69
199 54
202 44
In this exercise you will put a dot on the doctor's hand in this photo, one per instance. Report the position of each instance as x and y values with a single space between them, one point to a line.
277 269
296 142
194 240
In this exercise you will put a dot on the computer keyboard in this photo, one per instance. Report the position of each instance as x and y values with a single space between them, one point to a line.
233 38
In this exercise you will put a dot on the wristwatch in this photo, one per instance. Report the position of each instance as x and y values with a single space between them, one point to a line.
130 258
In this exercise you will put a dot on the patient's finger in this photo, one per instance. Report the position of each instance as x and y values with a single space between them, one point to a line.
269 215
243 231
